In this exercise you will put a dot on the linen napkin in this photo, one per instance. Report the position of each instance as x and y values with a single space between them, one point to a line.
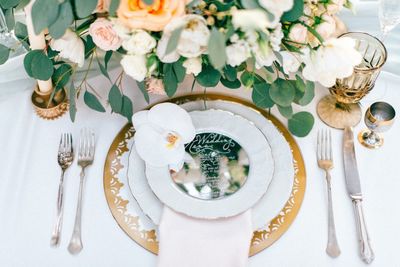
191 242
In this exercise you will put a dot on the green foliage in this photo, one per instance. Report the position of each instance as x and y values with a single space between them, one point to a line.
107 58
127 108
62 75
282 92
208 77
260 95
93 102
235 84
173 40
44 14
4 54
142 88
113 7
64 19
21 33
90 46
7 4
216 49
179 70
230 73
84 8
250 4
115 99
295 13
72 104
38 65
301 124
170 80
286 112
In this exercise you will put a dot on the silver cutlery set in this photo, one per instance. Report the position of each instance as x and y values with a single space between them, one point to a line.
325 162
65 159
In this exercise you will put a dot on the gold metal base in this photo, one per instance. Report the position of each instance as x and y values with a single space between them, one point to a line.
50 110
372 143
338 115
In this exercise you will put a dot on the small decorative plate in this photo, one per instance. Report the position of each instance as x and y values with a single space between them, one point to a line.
140 228
232 168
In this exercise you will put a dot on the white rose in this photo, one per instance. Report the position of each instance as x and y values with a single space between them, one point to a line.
238 53
327 28
193 65
70 47
276 8
122 31
192 41
263 55
335 6
335 59
298 33
250 19
290 62
135 66
140 43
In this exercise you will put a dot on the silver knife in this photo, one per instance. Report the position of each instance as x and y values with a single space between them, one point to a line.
354 189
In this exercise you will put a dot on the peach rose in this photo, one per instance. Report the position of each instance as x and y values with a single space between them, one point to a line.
135 14
102 6
104 35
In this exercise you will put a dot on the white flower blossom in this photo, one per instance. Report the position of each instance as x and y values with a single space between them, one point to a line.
290 63
70 47
250 19
140 43
276 8
237 53
135 66
276 37
193 65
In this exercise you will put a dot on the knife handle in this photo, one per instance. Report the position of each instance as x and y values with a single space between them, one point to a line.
367 255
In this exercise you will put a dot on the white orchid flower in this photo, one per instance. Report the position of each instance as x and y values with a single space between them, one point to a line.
161 134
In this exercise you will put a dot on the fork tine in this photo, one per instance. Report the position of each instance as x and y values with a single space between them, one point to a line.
81 144
319 145
326 145
92 145
330 146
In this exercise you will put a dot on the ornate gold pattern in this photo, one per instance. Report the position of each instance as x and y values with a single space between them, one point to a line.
50 111
262 238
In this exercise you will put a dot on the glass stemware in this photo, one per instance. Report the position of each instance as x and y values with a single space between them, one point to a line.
8 38
389 15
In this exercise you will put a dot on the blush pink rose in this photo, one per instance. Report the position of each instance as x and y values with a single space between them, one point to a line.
104 35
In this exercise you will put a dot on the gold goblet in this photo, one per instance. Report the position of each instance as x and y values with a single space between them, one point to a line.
379 117
341 109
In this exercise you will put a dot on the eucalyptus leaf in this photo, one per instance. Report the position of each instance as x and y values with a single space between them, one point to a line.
142 88
170 80
89 46
260 95
127 108
308 94
230 73
84 8
62 75
301 124
103 70
295 13
173 40
236 84
282 92
63 21
4 54
286 112
38 65
6 4
250 4
208 77
216 49
113 7
72 104
107 58
93 102
44 14
21 33
10 19
179 70
115 99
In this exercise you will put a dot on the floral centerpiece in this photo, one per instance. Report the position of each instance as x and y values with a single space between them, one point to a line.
276 48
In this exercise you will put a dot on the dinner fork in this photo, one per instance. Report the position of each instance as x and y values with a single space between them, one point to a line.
85 158
65 158
325 162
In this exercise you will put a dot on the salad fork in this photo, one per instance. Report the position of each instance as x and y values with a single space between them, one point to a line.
65 158
85 158
325 162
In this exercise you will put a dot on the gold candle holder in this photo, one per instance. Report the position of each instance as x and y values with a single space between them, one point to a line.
47 108
341 109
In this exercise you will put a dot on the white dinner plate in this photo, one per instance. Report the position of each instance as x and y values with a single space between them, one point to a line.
229 127
278 191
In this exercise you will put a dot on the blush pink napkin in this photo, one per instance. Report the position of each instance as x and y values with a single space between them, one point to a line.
191 242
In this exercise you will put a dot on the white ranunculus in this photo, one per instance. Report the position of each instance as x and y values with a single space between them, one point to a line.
237 53
193 65
298 33
263 55
135 66
290 63
70 47
276 8
335 59
193 39
327 28
161 134
250 19
140 43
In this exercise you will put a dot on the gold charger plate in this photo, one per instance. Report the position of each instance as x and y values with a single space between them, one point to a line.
147 238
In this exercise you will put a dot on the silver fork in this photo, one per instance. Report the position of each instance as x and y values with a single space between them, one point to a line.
85 158
325 162
65 158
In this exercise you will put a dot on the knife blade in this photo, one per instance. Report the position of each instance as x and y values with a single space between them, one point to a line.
352 177
354 189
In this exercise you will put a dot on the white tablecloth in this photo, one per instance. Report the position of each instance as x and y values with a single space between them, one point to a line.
29 178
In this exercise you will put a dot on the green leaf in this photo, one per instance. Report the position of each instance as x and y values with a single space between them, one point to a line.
286 112
62 75
85 8
4 54
113 7
93 102
216 49
6 4
103 70
64 19
127 108
44 14
250 4
247 79
295 13
173 40
72 104
308 95
115 99
179 70
21 33
89 46
107 58
236 84
38 65
301 124
170 80
282 92
10 19
230 73
208 77
142 88
260 95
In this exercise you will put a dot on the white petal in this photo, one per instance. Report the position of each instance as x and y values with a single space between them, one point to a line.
140 118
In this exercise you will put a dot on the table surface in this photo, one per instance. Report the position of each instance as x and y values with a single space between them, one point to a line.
29 180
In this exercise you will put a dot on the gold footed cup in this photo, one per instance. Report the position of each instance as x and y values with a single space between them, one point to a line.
47 108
